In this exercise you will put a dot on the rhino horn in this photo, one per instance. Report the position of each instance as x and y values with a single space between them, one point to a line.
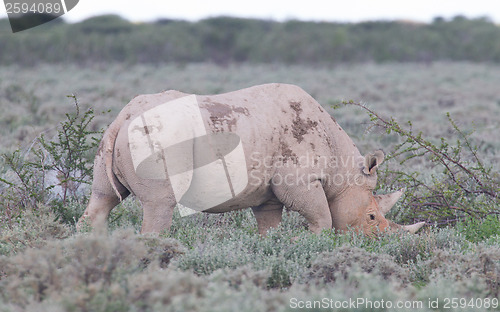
387 201
414 227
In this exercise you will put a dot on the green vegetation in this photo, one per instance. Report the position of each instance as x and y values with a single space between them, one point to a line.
478 230
219 262
465 186
225 40
64 163
208 262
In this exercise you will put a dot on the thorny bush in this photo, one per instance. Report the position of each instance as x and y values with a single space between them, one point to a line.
463 187
52 171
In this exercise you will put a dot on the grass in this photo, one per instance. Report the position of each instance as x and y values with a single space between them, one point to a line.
215 263
34 99
219 262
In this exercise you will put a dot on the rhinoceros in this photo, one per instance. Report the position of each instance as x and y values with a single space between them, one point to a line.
266 147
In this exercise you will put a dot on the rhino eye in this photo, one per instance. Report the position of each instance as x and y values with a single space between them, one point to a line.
372 217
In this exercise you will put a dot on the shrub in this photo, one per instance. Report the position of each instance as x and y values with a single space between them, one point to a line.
242 276
35 229
52 172
478 230
346 261
479 271
93 272
280 277
465 186
406 248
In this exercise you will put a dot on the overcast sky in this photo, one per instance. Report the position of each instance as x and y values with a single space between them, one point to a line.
319 10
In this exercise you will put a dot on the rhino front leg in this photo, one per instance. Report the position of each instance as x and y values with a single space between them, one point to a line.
268 215
309 200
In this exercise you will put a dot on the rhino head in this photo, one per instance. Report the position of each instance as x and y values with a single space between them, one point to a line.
356 207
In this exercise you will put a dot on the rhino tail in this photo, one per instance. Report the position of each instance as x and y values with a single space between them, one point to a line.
109 146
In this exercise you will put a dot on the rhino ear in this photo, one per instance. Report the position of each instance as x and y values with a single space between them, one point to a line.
372 161
385 202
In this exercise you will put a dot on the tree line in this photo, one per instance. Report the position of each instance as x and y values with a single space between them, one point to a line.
223 40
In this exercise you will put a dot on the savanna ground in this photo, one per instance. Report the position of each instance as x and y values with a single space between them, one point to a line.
219 262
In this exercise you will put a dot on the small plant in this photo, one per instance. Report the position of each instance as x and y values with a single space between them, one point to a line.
52 172
71 155
479 230
279 278
464 186
25 192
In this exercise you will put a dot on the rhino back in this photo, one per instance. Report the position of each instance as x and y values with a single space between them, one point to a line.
271 119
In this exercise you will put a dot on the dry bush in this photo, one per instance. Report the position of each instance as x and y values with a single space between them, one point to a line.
35 229
346 261
242 276
165 288
161 249
81 270
406 248
128 272
480 269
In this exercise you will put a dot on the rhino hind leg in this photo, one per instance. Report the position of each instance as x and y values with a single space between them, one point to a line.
268 215
102 199
157 213
309 201
97 211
